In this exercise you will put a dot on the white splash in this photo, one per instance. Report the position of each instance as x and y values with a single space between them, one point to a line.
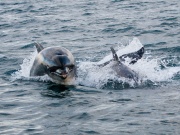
147 68
25 67
133 46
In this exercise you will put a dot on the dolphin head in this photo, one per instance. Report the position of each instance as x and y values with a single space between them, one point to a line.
62 70
57 62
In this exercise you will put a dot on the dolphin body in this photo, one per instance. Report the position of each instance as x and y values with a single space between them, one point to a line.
123 70
57 62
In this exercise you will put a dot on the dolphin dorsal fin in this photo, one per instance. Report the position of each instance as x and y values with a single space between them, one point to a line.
39 47
115 57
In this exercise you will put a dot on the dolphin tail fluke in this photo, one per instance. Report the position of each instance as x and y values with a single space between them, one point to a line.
135 56
39 47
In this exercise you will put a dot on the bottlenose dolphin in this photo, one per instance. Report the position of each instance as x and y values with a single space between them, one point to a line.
121 69
57 62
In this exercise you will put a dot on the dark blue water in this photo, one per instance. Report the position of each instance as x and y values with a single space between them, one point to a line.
100 103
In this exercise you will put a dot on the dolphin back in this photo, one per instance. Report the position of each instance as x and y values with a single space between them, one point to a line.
121 69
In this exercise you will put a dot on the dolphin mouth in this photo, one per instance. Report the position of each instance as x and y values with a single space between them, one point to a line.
63 76
58 71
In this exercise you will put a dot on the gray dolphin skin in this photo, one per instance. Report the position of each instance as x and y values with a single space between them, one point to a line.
57 62
121 69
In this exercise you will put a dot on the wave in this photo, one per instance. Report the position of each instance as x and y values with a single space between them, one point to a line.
150 70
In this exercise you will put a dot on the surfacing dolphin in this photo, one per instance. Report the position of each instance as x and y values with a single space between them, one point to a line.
121 69
57 62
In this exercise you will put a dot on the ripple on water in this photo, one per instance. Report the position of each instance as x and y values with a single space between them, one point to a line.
17 112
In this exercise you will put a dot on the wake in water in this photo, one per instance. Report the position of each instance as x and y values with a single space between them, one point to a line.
151 70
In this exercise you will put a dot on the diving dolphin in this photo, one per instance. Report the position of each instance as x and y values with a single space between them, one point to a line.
121 69
57 62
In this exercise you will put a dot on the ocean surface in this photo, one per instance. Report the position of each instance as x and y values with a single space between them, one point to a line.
99 102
